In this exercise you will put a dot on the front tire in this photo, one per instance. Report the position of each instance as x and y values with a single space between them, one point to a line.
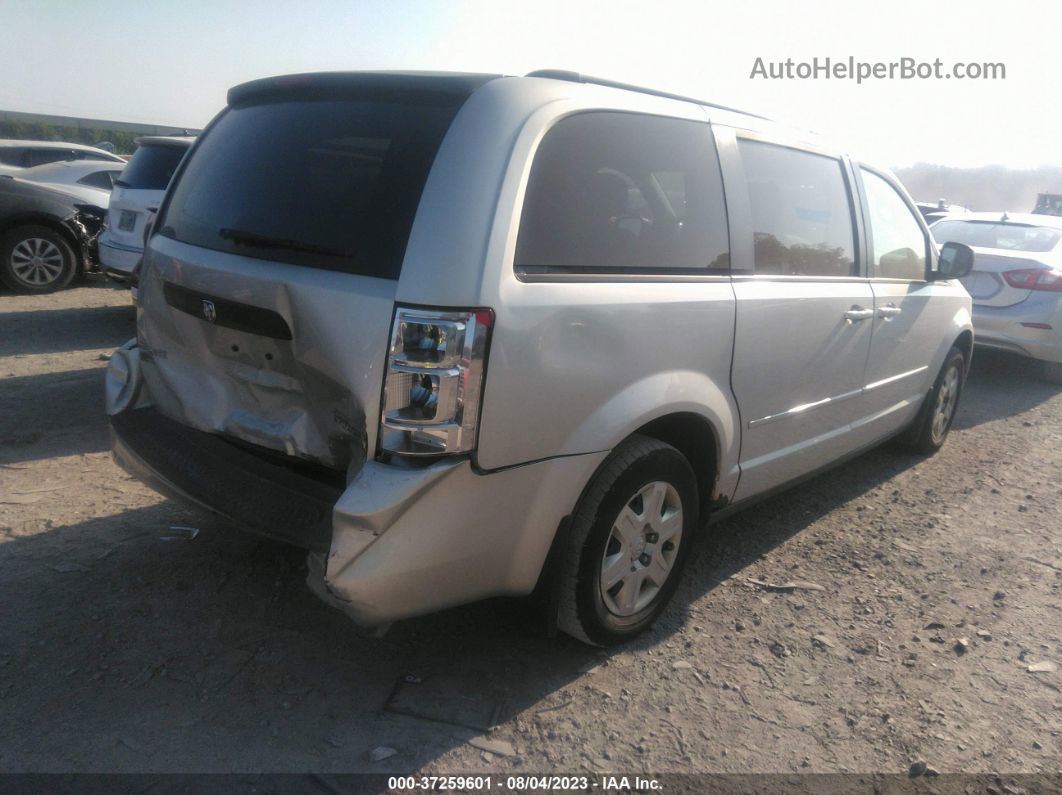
36 259
931 427
629 541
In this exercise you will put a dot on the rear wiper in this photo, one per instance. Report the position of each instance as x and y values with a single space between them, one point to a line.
245 238
121 183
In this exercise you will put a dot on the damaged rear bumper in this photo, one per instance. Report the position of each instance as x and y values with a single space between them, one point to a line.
212 472
412 541
393 543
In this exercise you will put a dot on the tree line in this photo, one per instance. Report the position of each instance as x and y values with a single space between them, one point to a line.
983 189
124 141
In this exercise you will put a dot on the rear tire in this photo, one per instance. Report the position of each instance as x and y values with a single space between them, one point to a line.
36 259
930 428
628 543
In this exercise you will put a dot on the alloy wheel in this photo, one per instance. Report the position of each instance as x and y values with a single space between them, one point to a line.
37 262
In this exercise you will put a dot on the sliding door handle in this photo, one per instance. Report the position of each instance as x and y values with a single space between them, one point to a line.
857 313
889 311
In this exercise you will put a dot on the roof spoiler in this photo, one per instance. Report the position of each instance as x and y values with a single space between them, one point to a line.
433 88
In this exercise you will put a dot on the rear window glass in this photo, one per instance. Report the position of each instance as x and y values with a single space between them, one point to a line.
99 179
624 193
40 157
151 167
985 234
82 154
331 184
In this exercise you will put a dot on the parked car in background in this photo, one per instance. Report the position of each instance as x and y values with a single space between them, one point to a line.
135 198
1048 204
46 236
1016 283
89 180
934 211
464 335
18 155
931 208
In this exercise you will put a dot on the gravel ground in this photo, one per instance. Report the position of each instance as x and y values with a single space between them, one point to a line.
927 589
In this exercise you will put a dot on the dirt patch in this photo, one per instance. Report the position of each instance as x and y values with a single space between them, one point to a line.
884 614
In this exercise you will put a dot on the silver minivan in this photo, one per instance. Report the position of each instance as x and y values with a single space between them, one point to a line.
463 335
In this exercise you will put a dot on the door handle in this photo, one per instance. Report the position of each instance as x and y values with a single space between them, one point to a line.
857 313
889 311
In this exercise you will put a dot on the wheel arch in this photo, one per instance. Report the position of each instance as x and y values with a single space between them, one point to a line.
56 225
696 438
659 404
965 343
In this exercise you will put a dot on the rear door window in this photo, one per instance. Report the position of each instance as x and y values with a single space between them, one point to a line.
330 184
624 193
801 211
151 167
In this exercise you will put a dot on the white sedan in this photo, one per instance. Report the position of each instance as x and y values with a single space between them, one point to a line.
88 180
1016 282
17 156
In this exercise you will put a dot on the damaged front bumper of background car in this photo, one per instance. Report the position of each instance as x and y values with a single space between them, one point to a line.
392 542
85 225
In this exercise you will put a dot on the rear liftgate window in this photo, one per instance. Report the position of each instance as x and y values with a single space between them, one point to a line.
624 193
151 167
330 184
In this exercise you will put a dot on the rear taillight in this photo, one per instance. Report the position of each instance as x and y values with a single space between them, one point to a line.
434 379
1035 279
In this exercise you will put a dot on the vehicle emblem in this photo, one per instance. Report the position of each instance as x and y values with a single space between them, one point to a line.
209 311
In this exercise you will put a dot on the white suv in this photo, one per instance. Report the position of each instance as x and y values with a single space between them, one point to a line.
135 198
469 335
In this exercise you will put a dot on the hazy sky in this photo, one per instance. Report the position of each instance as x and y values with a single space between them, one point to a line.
171 62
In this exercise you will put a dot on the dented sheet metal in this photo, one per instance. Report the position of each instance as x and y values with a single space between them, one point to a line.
407 541
284 357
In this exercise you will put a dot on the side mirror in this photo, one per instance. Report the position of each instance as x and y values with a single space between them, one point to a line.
955 261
